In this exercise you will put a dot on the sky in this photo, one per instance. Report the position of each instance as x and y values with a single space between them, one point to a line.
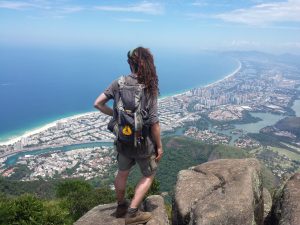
193 25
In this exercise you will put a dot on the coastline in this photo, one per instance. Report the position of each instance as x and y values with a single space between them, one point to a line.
207 85
42 128
226 77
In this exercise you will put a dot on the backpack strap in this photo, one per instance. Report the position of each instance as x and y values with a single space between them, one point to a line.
120 105
138 105
121 81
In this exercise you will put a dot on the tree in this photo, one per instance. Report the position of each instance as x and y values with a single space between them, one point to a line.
79 196
104 195
28 209
7 209
66 187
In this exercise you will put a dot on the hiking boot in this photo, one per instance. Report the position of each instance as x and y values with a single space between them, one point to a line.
122 209
137 218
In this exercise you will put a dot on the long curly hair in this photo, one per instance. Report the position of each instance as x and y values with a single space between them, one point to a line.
142 63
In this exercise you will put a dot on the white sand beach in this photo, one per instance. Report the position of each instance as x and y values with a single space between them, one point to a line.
42 128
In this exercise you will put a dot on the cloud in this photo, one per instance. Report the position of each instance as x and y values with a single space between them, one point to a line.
133 20
16 5
264 13
196 16
244 43
292 44
199 3
143 7
42 5
71 9
4 84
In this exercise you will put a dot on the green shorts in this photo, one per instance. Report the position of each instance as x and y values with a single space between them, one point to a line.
148 166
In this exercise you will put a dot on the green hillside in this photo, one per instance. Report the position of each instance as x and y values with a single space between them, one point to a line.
181 153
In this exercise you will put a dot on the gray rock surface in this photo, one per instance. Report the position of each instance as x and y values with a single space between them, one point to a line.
286 209
104 214
101 215
226 191
156 205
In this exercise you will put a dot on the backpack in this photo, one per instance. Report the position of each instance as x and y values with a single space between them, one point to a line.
130 122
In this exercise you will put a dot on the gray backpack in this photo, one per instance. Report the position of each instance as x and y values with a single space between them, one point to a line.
130 121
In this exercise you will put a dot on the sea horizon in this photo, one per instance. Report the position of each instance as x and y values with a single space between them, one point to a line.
40 123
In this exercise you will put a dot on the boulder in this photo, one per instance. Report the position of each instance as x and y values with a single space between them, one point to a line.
101 215
156 205
104 214
226 191
286 208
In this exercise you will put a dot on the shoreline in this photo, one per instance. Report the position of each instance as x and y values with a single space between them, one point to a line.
42 128
226 77
207 85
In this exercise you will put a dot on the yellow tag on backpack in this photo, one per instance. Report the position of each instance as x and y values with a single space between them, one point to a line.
127 130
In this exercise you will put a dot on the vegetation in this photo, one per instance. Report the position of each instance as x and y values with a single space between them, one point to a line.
268 140
73 199
291 124
29 209
269 180
41 188
78 196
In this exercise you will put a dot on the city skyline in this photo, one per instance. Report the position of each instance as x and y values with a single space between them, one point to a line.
270 26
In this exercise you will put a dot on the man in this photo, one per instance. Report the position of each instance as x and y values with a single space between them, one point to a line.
149 150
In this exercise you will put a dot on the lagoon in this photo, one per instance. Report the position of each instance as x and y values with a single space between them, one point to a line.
268 119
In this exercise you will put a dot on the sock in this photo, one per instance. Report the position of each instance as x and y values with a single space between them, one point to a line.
132 211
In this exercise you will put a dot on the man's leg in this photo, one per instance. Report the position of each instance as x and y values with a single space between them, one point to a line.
148 168
120 184
120 187
134 215
140 190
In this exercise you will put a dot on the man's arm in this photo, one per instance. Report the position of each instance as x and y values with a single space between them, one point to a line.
100 103
155 132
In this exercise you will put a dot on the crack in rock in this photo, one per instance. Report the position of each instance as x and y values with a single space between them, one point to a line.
221 185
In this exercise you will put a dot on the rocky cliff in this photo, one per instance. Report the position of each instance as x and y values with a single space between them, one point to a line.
220 192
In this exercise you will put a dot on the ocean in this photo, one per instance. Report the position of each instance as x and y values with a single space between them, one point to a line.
38 86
